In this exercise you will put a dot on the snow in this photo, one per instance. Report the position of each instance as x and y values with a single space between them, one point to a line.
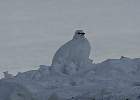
112 79
13 91
7 75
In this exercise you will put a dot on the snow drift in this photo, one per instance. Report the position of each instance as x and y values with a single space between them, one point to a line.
113 79
10 90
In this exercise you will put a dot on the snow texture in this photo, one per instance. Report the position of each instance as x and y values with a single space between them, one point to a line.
13 91
113 79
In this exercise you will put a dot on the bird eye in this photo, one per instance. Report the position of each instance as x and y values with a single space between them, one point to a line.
81 34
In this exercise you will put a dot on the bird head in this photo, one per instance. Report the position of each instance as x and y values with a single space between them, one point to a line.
79 34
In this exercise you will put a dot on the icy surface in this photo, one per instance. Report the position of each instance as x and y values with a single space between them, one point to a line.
113 79
10 90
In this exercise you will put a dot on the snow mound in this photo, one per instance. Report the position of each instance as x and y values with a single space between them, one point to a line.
113 79
13 91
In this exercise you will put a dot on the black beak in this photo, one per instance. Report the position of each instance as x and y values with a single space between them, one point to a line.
81 34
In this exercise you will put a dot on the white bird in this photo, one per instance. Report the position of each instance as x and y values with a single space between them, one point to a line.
73 55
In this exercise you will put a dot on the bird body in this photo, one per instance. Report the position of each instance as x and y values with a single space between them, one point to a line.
74 53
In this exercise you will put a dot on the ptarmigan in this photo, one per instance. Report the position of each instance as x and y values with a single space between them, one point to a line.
73 55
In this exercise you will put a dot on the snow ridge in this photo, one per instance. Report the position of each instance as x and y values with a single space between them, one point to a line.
113 78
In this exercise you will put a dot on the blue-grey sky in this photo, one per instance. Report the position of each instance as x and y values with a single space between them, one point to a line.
32 30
